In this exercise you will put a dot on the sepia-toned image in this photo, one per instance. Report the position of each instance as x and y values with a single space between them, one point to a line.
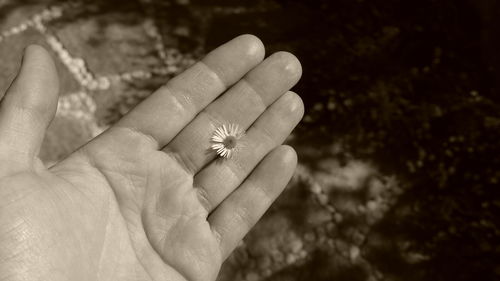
266 140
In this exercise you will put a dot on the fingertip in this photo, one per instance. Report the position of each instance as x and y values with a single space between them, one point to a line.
38 62
294 103
235 58
35 48
288 156
249 47
284 161
254 46
30 102
39 53
290 64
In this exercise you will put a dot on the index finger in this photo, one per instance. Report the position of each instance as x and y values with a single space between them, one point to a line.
159 118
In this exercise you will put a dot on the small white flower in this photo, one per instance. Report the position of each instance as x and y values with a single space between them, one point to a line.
225 140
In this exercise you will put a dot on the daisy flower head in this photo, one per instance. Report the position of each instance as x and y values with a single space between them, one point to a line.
226 140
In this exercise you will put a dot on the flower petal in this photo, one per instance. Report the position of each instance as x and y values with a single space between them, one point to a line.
220 135
217 146
217 139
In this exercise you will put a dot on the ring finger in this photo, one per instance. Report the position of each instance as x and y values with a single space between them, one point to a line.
216 181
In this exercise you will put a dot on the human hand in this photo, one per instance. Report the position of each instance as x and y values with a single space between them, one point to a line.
146 199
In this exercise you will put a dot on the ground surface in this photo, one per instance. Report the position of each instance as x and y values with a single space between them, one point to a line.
399 156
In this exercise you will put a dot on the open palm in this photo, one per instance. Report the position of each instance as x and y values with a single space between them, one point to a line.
147 199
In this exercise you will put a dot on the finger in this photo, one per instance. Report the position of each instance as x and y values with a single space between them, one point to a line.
242 105
216 181
159 118
29 105
239 212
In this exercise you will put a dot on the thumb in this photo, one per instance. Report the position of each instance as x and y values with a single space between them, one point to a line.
29 106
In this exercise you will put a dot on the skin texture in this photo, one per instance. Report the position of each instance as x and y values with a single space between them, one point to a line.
147 199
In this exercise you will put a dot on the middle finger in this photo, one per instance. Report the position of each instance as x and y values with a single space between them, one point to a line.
242 105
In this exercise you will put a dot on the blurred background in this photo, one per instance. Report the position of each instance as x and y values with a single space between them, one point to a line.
399 158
